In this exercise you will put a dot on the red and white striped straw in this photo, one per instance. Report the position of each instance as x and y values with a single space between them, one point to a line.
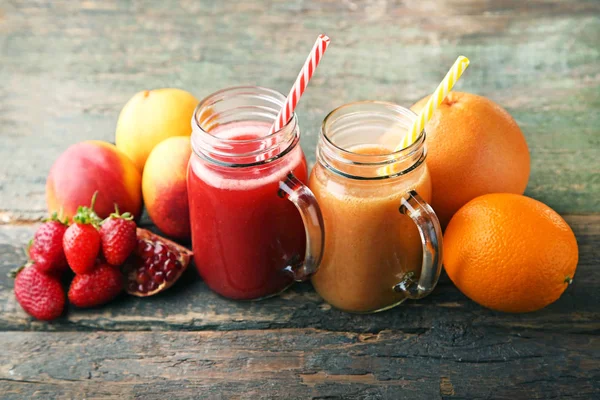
307 71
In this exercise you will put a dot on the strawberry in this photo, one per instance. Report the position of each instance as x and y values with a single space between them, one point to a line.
118 237
81 241
82 245
46 249
97 287
41 296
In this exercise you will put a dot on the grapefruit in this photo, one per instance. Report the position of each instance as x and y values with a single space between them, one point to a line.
474 147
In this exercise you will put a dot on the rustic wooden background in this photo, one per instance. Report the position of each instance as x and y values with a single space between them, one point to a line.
67 68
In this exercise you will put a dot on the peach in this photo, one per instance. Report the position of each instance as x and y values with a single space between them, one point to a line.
164 186
150 117
91 166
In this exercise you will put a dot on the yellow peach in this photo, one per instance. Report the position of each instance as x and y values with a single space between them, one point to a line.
150 117
164 186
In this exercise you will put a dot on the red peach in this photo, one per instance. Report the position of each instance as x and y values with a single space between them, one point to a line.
164 186
91 166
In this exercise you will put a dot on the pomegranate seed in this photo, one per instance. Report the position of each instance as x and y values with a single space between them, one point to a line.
159 259
159 277
141 270
178 265
142 288
148 250
164 258
152 268
152 286
169 266
158 248
172 256
170 275
142 277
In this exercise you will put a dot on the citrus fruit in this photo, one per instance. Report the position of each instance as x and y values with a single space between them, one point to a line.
164 186
150 117
474 147
509 252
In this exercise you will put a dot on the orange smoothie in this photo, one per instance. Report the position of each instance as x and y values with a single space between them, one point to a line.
369 245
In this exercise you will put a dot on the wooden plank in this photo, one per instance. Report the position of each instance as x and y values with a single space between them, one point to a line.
190 305
68 67
300 364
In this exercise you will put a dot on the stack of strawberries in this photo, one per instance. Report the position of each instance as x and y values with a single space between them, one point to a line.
92 248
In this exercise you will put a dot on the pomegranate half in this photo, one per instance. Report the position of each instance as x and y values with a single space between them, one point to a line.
155 265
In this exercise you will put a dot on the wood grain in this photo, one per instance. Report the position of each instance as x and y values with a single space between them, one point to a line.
447 362
68 67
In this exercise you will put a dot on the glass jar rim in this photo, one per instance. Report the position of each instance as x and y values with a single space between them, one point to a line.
239 104
382 117
231 90
397 154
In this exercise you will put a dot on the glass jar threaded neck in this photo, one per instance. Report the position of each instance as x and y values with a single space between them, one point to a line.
231 127
369 125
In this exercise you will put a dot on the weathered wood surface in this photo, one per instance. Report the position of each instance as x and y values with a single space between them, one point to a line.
296 346
66 69
445 362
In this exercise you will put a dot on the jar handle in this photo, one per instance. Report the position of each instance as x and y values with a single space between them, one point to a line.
306 203
430 231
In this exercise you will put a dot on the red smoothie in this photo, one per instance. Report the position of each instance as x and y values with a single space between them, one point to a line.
243 233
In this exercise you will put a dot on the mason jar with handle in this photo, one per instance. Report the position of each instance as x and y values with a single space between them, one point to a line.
384 242
256 227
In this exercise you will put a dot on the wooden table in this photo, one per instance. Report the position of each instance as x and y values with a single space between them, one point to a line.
66 69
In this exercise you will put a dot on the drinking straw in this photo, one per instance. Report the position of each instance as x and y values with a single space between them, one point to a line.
434 101
307 71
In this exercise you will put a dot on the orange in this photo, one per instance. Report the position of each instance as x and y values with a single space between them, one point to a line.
474 147
509 252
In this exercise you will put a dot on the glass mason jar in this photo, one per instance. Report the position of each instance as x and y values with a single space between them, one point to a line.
384 242
255 226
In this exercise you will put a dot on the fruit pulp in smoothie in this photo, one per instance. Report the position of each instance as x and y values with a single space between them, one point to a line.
243 233
369 245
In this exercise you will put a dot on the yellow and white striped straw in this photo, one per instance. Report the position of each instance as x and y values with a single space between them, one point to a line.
434 101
